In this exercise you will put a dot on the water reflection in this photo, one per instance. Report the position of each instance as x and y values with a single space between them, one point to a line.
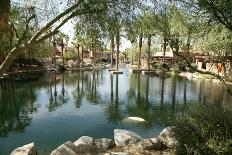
95 102
113 110
57 99
16 107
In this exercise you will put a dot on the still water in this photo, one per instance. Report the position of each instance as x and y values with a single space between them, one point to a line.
58 108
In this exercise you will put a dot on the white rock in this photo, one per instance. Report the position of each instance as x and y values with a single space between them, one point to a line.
84 140
135 119
29 149
167 137
67 148
124 137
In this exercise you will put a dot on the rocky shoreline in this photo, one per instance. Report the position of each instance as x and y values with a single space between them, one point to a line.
198 76
125 142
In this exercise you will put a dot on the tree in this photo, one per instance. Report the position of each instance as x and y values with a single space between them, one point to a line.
49 29
217 11
4 17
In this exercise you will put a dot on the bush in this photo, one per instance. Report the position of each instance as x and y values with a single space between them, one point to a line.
60 68
182 65
204 130
165 66
70 55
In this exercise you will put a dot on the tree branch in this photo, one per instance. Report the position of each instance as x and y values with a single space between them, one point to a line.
26 29
61 15
64 21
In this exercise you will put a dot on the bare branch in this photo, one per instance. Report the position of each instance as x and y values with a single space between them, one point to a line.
15 30
26 29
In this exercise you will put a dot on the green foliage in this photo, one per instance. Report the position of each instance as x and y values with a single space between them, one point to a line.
204 129
216 41
71 54
60 68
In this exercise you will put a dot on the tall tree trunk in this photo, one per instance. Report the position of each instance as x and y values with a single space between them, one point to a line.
230 69
140 48
62 50
112 52
165 48
82 56
132 56
4 17
149 52
117 53
78 53
188 44
54 53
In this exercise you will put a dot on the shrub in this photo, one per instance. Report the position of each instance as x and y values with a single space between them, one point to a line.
165 66
182 65
70 55
204 130
60 68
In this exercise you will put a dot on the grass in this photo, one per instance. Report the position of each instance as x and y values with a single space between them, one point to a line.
205 130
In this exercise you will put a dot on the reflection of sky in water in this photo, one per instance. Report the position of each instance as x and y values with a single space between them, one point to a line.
92 110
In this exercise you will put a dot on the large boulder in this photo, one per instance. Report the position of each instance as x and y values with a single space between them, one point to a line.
29 149
67 148
167 137
150 144
104 143
124 137
84 140
87 149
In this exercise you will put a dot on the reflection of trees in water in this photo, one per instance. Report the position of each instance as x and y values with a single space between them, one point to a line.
93 96
139 104
16 107
79 92
57 99
113 110
87 86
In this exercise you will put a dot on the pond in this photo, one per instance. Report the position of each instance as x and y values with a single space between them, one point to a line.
62 107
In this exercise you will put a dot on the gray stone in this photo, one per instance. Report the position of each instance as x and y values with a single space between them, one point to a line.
67 148
167 137
150 144
87 149
29 149
84 140
124 137
145 144
104 143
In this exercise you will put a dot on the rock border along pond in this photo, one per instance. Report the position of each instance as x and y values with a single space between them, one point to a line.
125 143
